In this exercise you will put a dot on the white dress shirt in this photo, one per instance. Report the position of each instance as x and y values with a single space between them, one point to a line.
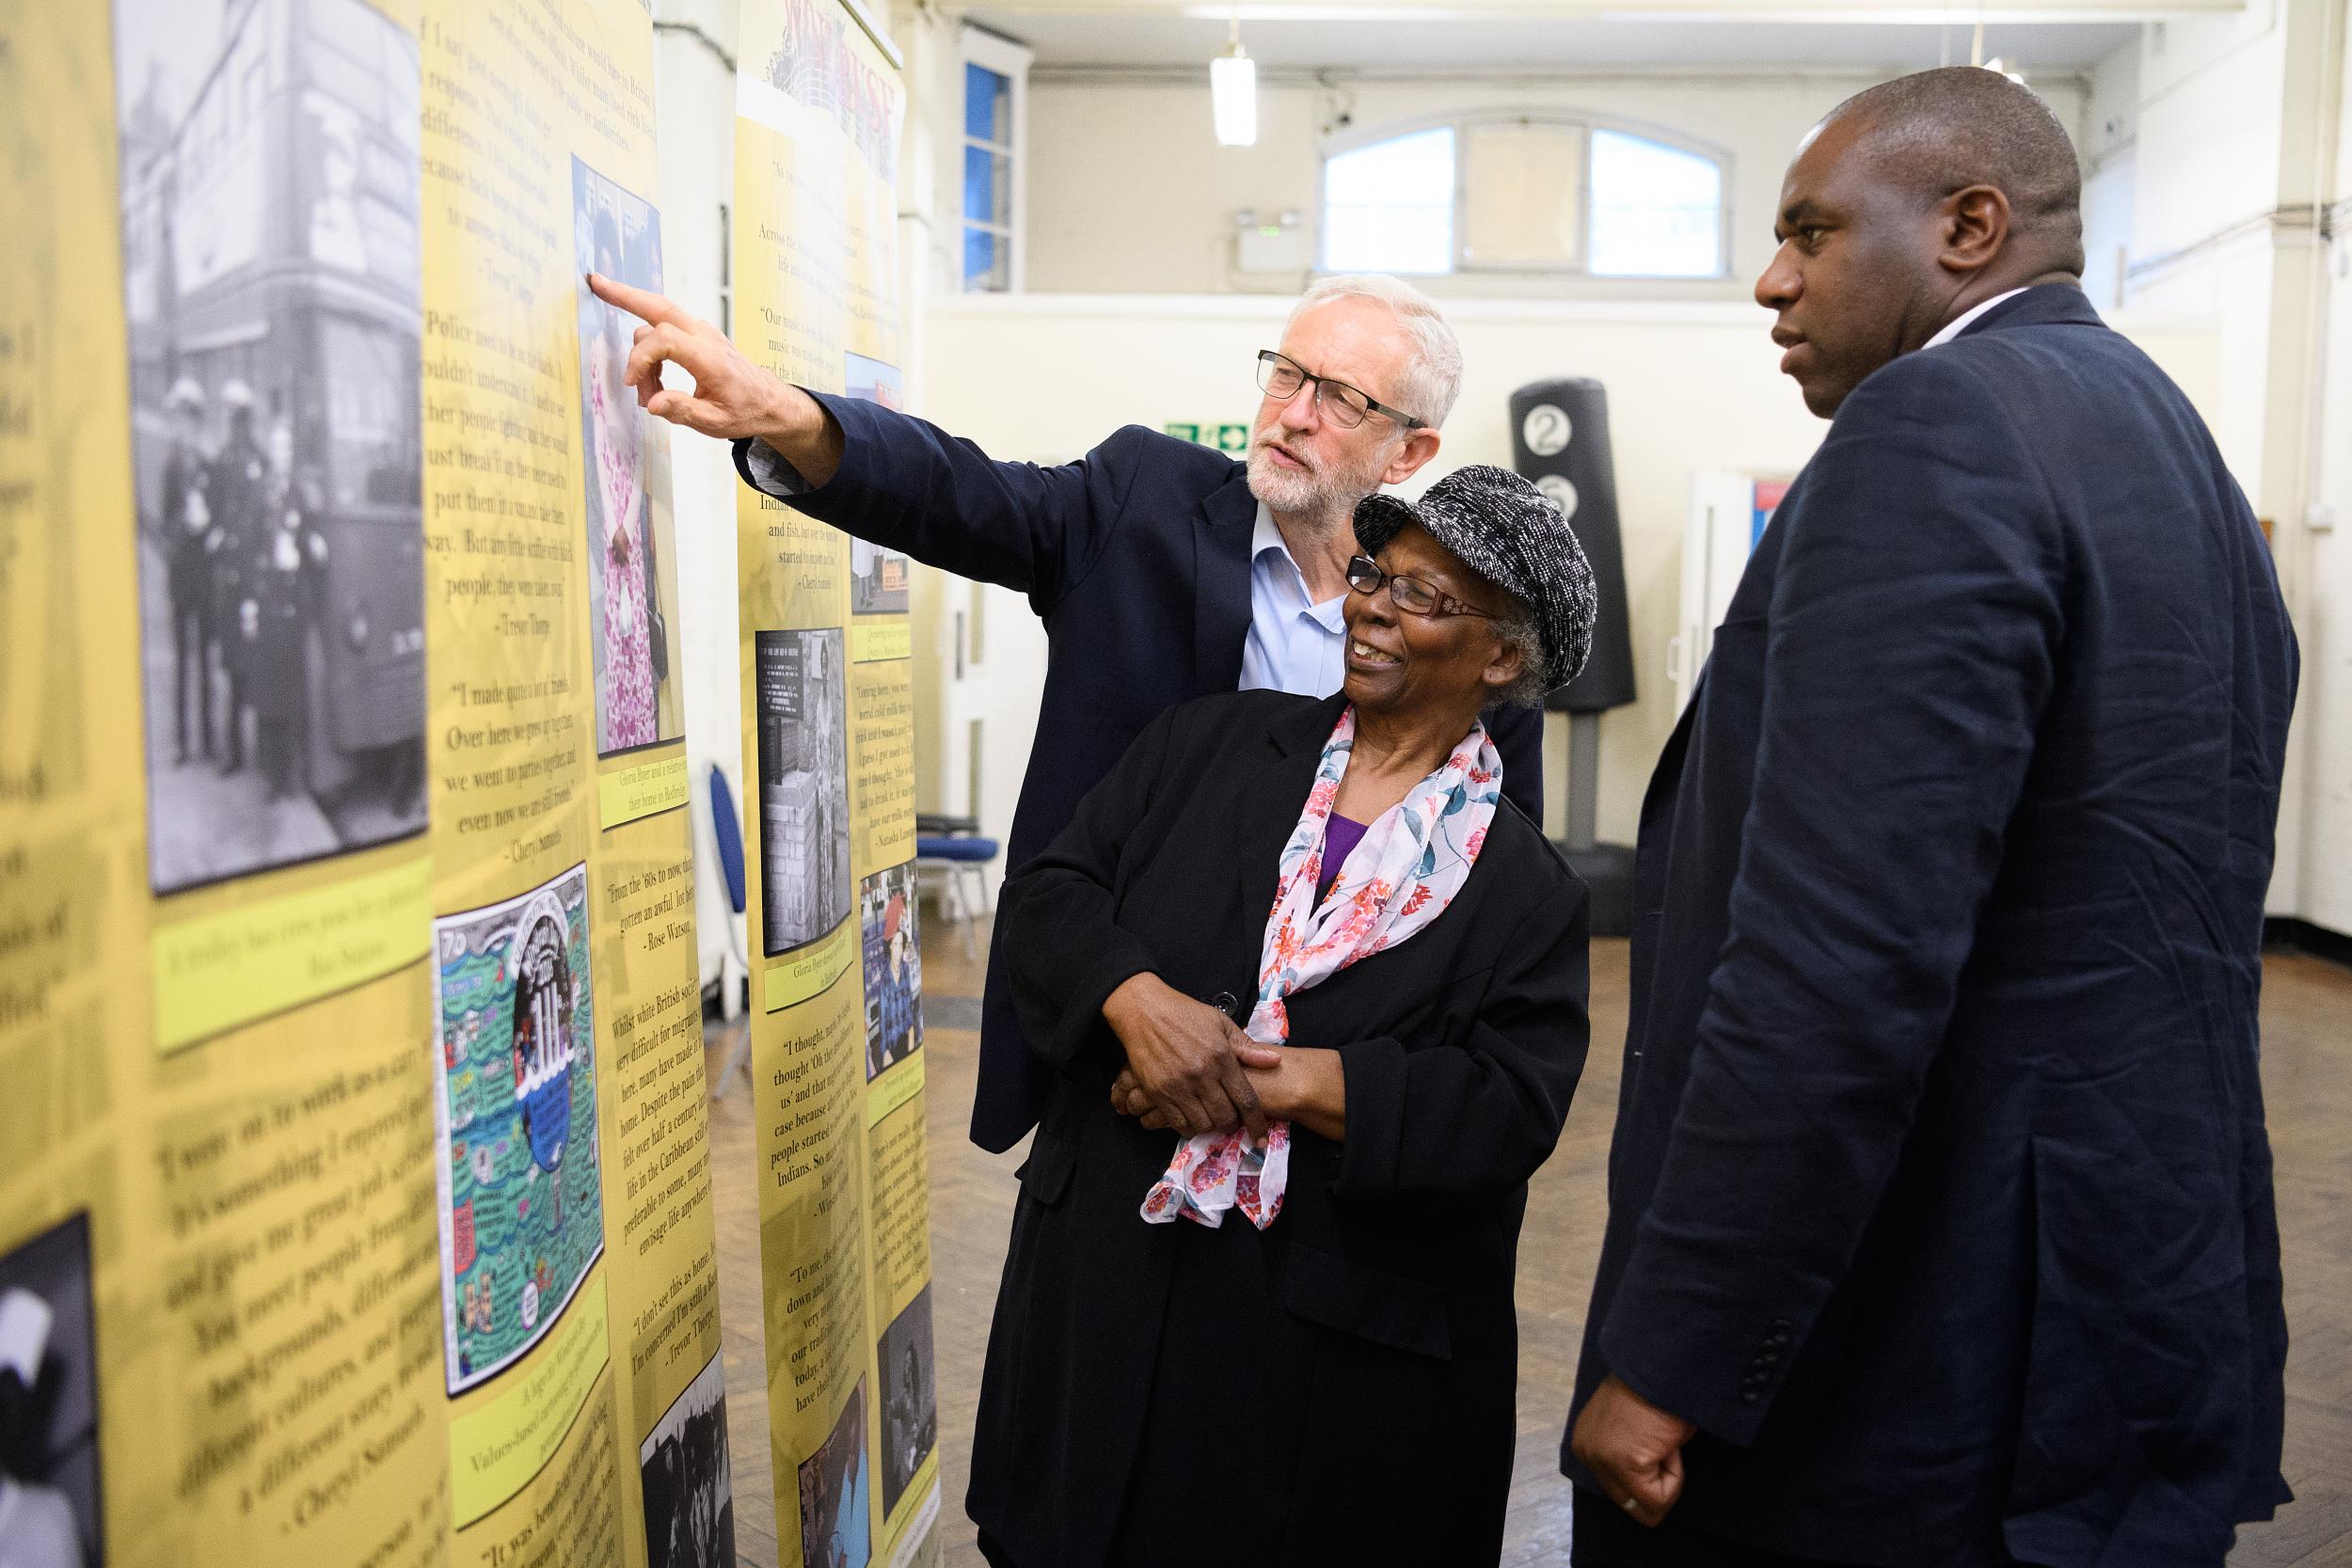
1960 323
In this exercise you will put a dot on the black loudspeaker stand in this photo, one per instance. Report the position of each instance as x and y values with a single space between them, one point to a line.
1560 439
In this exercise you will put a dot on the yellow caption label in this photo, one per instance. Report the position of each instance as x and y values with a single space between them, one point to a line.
874 640
807 972
894 1088
626 794
496 1448
220 970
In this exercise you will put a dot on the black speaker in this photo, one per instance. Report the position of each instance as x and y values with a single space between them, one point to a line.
1560 439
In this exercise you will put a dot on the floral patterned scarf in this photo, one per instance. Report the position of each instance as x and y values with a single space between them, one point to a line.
1400 875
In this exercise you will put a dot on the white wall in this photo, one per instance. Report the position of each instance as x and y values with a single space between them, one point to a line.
1690 386
2238 130
695 124
2324 895
1128 192
2109 143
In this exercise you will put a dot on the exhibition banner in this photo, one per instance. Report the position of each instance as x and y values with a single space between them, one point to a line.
578 1335
828 730
219 1281
355 1205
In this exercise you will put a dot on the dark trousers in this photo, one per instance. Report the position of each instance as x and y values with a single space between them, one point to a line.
1605 1538
191 633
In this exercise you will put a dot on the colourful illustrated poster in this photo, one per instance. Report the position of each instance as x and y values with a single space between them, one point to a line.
522 1206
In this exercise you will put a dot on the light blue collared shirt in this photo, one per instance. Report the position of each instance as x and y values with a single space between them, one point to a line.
1294 644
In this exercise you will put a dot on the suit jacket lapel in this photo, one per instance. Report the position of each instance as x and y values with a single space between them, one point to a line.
1285 772
1221 530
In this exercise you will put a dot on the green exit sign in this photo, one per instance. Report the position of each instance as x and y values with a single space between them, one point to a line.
1224 436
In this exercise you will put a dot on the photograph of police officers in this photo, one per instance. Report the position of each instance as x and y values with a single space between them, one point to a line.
271 282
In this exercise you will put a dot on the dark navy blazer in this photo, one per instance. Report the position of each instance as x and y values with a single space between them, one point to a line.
1940 1199
1138 558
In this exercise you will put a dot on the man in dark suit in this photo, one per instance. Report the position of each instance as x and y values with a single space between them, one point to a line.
1940 1203
1164 571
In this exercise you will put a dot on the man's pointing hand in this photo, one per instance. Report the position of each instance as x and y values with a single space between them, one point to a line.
731 398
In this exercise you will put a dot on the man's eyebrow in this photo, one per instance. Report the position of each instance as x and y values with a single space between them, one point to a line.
1797 212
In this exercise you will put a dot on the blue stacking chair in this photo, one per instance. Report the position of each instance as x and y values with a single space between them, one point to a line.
729 835
952 850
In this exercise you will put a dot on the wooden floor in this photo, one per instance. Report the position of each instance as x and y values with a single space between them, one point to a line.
2307 1073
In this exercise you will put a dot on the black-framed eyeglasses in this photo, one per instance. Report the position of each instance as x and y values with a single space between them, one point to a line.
1343 405
1409 595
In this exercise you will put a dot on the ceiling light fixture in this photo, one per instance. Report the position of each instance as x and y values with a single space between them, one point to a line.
1234 92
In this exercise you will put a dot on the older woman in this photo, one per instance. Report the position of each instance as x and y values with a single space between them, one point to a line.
1367 1076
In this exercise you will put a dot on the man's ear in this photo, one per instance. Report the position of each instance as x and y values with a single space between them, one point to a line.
1975 229
1418 448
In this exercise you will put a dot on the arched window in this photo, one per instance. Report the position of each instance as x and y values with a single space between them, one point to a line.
1523 192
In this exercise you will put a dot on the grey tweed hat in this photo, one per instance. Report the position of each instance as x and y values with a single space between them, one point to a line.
1509 533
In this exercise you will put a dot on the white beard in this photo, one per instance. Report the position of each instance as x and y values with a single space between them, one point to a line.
1309 492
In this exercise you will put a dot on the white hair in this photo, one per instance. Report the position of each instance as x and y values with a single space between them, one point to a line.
1433 375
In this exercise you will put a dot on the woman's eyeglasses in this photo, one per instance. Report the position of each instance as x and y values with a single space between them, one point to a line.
1410 594
1343 405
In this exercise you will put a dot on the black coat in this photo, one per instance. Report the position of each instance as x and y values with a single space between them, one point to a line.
1338 1388
1138 558
1940 1198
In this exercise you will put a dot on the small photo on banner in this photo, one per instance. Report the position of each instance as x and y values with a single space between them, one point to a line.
878 578
910 1398
632 538
690 1502
893 968
49 1503
522 1204
271 283
836 1529
803 786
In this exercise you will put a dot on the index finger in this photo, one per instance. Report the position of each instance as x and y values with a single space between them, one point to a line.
641 303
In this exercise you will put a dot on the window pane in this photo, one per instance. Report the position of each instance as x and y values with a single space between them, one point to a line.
1657 210
1524 198
985 258
986 187
1390 207
987 105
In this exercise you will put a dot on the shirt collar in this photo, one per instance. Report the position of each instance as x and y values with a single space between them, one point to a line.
1960 323
1265 536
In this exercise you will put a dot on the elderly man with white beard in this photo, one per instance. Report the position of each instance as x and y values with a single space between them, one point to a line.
1164 571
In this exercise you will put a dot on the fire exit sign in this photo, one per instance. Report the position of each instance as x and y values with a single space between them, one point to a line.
1223 436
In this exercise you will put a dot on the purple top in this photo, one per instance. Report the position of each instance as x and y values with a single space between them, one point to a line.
1341 834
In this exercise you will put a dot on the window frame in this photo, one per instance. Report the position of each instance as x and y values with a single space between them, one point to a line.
1585 122
1002 58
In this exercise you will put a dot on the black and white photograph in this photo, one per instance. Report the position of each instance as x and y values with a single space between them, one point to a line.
879 583
632 576
803 786
835 1529
50 1515
690 1502
271 278
893 954
910 1398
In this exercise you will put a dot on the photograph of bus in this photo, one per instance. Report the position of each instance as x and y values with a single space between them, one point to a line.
270 188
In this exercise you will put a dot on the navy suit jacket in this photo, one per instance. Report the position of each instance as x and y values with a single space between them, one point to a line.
1940 1198
1136 556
